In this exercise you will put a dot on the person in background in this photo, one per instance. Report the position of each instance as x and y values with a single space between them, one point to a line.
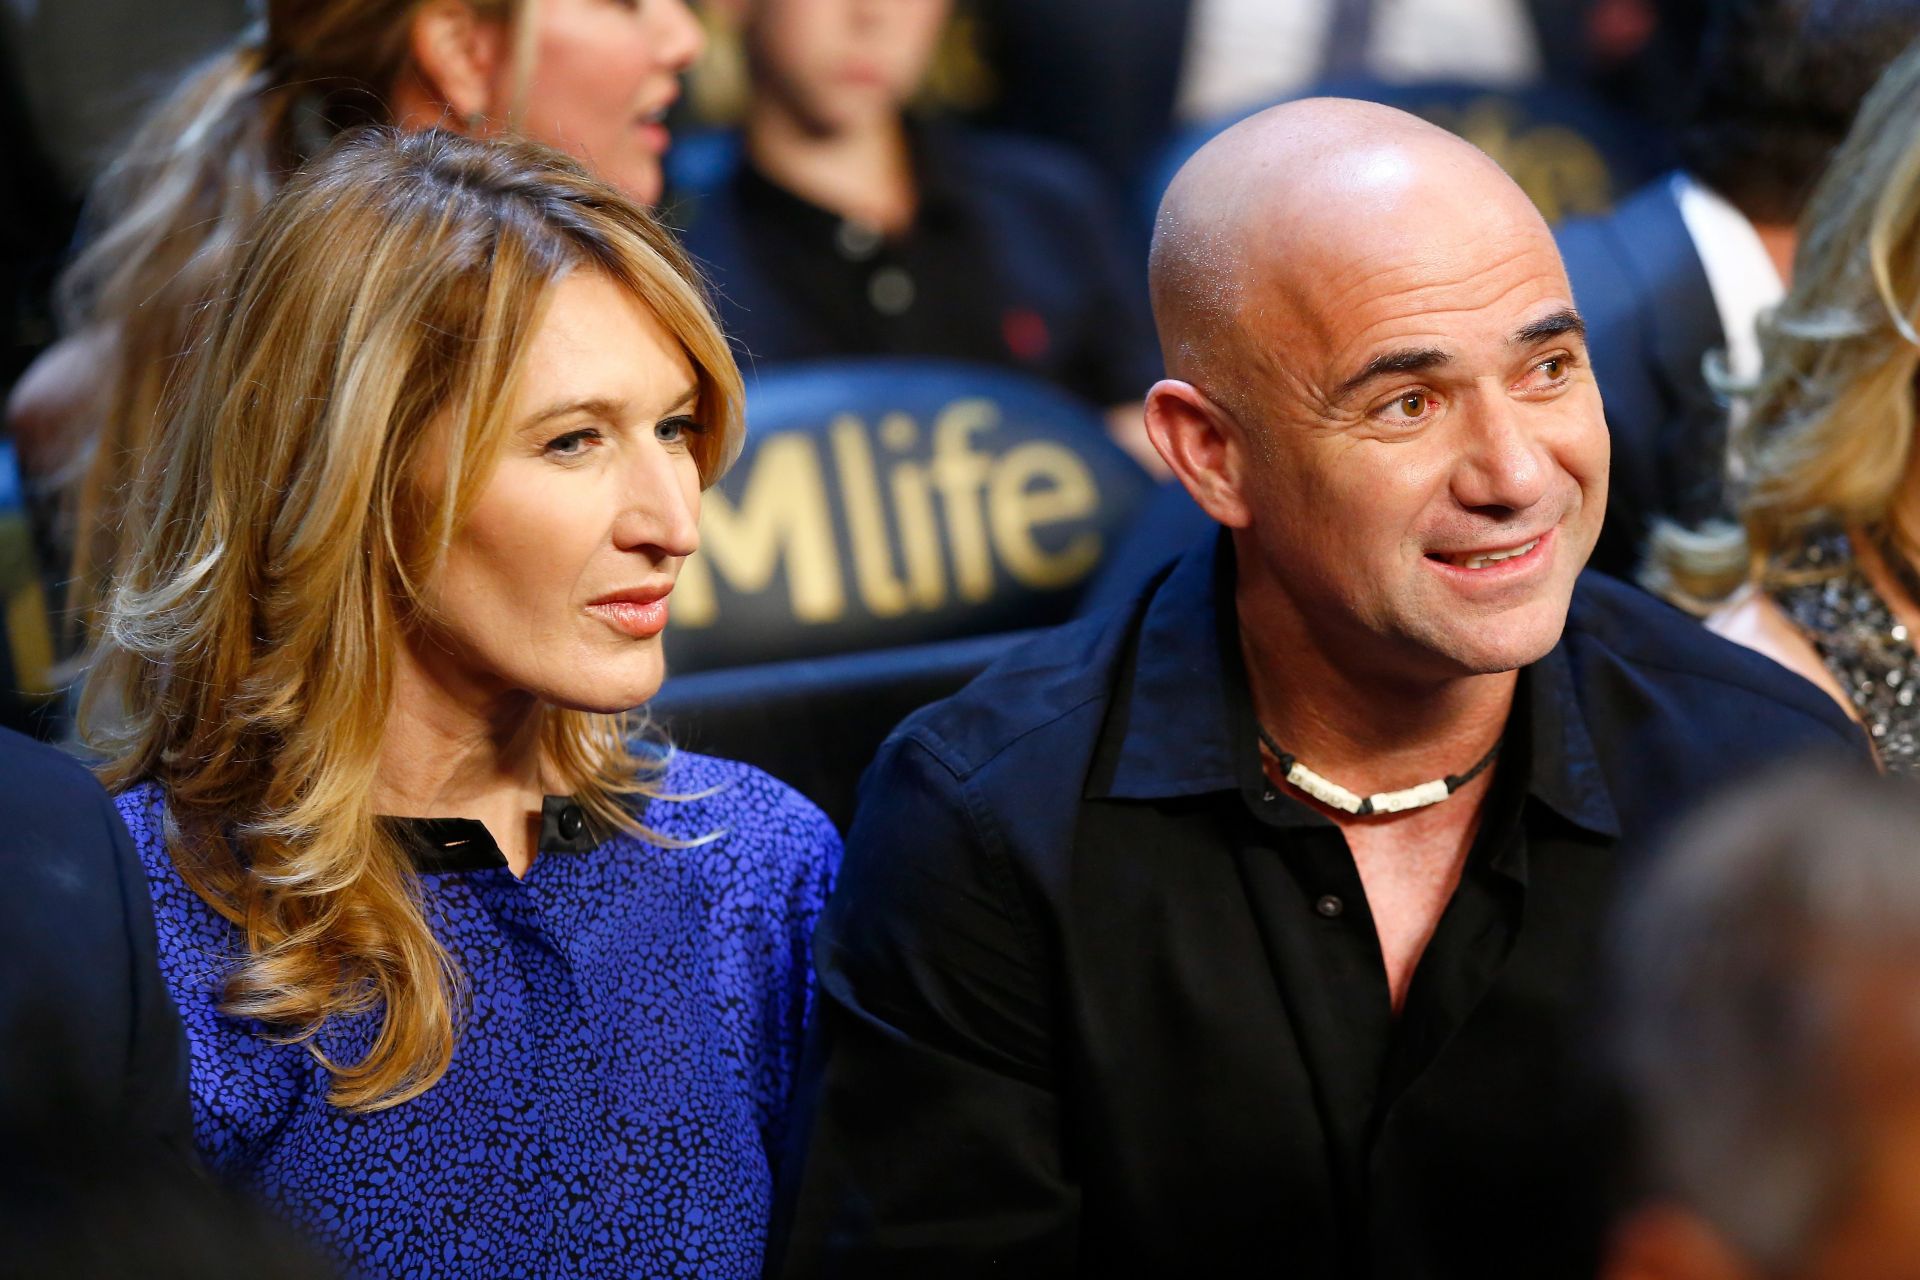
1250 926
1116 80
1680 273
1822 572
848 227
1767 1036
591 77
480 979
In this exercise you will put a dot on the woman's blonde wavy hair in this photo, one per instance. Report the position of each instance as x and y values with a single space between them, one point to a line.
1827 432
389 293
170 213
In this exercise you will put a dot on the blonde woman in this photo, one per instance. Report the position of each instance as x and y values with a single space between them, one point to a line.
1822 574
591 77
476 983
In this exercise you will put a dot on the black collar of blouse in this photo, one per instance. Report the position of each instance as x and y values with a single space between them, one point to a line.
441 845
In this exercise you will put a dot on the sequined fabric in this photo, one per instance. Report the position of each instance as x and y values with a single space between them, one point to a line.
1866 648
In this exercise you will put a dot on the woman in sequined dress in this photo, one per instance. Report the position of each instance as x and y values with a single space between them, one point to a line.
1821 574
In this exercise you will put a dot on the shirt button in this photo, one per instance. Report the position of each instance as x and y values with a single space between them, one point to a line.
890 291
1329 906
856 241
572 822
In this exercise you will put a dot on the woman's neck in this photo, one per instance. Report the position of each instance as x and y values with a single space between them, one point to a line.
863 172
454 749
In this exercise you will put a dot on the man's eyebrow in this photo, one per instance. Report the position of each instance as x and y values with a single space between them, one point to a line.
1559 324
1406 360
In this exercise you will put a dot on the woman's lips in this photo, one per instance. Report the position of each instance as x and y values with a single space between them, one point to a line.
640 619
655 137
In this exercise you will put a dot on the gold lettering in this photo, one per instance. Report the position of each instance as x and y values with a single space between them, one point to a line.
919 535
1016 508
959 473
883 593
783 512
32 639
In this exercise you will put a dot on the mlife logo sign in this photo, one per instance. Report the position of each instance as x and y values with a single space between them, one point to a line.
893 519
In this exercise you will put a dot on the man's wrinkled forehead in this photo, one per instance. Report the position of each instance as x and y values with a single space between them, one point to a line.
1395 275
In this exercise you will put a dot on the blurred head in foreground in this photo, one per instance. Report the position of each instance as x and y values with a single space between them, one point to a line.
1767 975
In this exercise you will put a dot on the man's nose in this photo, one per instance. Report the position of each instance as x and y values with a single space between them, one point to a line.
1502 463
659 511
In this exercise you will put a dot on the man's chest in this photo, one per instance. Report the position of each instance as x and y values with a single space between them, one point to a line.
1230 988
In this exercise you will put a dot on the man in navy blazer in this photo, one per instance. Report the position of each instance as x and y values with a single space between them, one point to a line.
1685 266
88 1037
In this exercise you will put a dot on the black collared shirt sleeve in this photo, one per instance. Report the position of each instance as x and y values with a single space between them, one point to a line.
927 1126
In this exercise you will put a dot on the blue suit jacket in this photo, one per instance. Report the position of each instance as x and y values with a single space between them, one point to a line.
1650 321
90 1039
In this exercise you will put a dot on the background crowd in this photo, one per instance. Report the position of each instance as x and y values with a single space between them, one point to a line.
925 229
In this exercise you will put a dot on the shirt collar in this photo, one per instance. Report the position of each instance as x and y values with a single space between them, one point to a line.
464 844
1182 712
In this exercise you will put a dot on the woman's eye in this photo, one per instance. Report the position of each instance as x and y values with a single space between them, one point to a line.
676 430
571 445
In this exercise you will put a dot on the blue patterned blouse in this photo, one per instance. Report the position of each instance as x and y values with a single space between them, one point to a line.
621 1074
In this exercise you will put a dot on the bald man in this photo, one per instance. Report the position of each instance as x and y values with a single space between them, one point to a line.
1247 930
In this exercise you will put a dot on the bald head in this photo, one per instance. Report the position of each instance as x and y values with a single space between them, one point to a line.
1265 215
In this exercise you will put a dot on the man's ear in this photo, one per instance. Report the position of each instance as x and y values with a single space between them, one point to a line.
1203 446
458 57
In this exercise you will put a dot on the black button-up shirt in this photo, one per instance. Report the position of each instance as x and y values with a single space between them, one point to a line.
1098 1000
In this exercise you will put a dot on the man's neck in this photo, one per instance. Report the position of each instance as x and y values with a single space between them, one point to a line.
863 172
1369 725
451 750
1368 730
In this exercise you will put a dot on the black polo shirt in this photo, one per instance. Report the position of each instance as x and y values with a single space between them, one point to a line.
1015 258
1096 1000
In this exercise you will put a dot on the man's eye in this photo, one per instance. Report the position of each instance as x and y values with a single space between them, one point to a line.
1411 405
1553 366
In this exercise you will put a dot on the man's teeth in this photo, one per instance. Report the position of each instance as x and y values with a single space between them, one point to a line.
1481 560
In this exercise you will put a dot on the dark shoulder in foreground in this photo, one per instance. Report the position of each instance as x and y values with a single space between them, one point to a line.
41 784
1034 688
1642 670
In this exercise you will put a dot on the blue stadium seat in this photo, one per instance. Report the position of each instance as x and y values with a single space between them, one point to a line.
891 502
815 723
